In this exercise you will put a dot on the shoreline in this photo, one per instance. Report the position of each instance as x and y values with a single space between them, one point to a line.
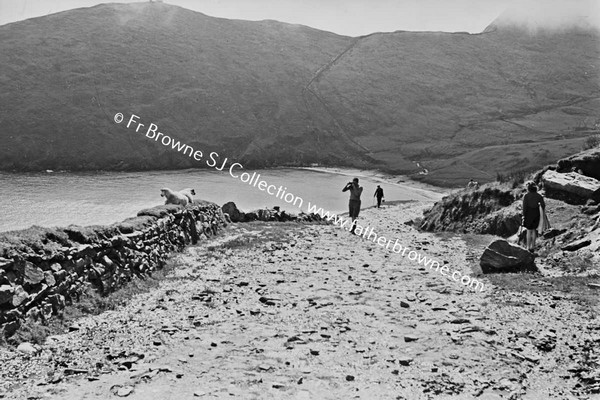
422 192
435 192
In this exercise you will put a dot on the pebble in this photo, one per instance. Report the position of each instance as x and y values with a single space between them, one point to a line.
27 348
404 360
125 391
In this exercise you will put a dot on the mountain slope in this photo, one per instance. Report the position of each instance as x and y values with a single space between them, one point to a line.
434 96
267 93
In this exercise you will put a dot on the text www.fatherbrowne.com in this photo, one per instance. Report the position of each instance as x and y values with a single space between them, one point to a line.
413 255
368 233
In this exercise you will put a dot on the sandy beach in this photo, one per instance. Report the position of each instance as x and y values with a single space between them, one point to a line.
431 191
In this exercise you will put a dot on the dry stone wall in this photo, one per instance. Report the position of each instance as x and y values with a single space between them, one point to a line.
44 269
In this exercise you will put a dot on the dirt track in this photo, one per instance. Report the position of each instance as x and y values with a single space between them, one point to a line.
287 311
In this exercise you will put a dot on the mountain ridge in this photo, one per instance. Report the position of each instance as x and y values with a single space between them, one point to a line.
274 94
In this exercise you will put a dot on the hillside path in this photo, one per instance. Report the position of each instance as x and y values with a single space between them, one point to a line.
290 311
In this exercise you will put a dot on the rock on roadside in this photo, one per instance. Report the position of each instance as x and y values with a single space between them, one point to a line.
502 256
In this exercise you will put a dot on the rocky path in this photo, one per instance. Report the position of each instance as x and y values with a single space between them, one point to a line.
288 311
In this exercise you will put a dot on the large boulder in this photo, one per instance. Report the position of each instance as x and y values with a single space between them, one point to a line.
588 162
502 256
233 212
579 185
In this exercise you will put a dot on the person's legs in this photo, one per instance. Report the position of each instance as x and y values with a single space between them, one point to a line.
530 239
354 208
351 215
378 202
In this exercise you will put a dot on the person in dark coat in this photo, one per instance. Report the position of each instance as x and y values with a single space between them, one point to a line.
531 213
379 195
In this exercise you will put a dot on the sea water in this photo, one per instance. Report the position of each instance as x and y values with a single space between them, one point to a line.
100 198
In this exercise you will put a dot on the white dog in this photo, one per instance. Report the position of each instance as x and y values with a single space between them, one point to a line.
173 197
189 193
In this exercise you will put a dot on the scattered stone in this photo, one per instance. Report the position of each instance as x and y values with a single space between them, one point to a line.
460 321
404 304
594 285
162 368
576 245
27 348
546 341
19 297
526 356
349 378
410 338
6 293
75 371
124 391
553 232
405 360
267 301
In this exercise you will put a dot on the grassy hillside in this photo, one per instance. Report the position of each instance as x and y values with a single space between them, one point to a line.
446 99
268 93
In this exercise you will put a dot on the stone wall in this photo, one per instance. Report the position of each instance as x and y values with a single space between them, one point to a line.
275 214
44 269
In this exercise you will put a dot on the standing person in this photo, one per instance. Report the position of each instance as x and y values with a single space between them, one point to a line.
531 213
354 203
379 195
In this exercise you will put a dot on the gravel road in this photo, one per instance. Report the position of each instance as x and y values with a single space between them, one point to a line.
292 311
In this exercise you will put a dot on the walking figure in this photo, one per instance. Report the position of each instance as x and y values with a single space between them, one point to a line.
379 195
354 203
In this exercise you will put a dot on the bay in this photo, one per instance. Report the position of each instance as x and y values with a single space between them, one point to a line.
101 198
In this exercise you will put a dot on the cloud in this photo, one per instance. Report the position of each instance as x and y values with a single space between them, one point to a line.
552 14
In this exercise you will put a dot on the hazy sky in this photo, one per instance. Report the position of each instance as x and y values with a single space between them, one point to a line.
356 17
